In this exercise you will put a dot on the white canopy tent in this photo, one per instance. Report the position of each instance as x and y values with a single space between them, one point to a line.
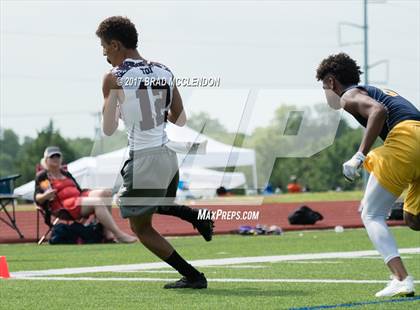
103 171
203 179
201 182
218 155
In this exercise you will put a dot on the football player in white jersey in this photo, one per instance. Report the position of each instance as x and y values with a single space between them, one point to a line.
150 175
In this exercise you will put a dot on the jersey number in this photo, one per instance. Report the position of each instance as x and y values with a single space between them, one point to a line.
390 92
157 96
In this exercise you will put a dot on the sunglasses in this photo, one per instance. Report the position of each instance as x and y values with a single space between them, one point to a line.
55 156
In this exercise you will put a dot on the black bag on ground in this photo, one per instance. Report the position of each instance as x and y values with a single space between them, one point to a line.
304 216
397 212
62 234
77 233
91 233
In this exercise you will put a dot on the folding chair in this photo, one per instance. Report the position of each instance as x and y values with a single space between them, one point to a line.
7 186
52 219
61 214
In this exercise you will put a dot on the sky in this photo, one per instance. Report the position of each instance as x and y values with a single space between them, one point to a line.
51 63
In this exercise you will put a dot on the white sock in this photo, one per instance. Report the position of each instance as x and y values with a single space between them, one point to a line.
377 203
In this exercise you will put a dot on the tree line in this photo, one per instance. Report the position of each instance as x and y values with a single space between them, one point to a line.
319 172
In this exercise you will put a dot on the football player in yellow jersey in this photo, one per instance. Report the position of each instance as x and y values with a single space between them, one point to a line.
394 166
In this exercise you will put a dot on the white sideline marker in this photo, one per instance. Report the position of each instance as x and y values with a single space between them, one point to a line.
205 262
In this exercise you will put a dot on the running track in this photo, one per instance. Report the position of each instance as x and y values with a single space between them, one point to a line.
344 213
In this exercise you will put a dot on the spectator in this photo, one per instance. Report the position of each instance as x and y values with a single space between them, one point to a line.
294 186
58 189
222 191
268 190
278 190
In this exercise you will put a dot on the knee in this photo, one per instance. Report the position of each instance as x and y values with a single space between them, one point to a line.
101 193
140 229
371 213
412 221
105 193
134 228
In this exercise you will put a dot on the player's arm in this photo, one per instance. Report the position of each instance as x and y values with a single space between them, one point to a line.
356 102
176 114
109 110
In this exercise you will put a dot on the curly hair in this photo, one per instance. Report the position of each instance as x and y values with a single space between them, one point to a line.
342 67
118 28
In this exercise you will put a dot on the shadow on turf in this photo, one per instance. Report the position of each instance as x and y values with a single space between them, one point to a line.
244 292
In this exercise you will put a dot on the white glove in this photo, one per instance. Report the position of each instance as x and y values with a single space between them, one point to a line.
352 167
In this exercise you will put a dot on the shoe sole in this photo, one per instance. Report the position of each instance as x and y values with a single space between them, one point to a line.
399 295
191 287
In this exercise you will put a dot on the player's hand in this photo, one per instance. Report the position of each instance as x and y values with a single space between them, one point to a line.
352 167
50 194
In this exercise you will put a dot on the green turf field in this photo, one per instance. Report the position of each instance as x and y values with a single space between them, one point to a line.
303 281
313 196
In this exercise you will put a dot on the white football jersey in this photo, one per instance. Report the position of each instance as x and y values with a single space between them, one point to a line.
147 88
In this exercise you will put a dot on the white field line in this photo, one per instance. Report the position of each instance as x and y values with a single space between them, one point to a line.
241 266
338 281
206 262
315 262
380 258
174 271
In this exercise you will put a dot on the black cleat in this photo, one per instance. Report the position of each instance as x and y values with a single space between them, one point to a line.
204 227
185 283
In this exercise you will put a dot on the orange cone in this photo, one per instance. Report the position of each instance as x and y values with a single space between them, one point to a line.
4 270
